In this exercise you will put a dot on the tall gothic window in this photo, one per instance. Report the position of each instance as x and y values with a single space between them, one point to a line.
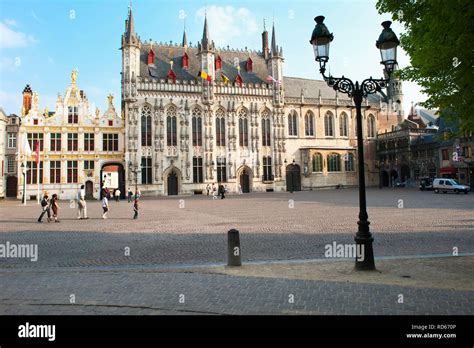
334 162
309 124
221 169
146 171
197 170
171 132
146 126
266 139
329 124
371 126
267 168
220 127
197 127
243 128
293 123
343 125
317 162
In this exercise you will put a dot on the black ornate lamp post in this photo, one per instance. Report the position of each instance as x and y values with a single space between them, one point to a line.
24 169
387 43
135 170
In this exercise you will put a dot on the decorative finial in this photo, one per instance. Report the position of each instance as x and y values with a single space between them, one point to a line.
73 76
46 112
97 111
110 97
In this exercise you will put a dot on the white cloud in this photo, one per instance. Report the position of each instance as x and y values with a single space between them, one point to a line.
227 22
10 38
11 22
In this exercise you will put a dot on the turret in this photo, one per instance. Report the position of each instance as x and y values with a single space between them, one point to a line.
130 57
275 69
395 93
265 47
206 52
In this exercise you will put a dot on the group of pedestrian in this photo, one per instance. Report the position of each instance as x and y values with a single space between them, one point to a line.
217 190
48 205
52 204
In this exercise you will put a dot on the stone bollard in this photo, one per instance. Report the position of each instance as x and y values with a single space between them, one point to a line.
233 248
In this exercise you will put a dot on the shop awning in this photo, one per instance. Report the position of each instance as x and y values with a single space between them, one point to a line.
448 170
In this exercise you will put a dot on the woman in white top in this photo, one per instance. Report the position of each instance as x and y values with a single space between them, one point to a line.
105 206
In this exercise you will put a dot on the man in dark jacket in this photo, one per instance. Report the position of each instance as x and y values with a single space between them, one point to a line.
45 208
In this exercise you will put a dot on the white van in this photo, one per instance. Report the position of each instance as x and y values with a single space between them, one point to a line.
445 185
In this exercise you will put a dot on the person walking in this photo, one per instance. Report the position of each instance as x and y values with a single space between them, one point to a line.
81 204
239 188
117 195
105 206
214 191
54 205
135 209
208 188
130 195
222 191
45 208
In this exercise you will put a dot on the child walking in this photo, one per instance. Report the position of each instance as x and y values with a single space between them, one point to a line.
105 206
135 209
55 207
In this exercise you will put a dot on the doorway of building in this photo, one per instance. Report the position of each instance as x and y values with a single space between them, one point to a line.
12 186
172 184
245 181
112 176
89 190
293 178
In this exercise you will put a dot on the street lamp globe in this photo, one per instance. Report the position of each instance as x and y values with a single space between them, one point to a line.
321 39
387 44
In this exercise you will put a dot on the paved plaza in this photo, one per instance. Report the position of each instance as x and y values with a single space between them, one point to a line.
178 244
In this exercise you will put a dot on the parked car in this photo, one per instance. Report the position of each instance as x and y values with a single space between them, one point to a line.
426 184
444 185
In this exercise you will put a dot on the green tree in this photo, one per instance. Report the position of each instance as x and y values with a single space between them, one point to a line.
439 39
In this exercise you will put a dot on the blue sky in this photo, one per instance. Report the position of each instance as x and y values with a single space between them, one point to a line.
42 41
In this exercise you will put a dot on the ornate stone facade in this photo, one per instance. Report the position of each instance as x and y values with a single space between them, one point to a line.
75 144
197 115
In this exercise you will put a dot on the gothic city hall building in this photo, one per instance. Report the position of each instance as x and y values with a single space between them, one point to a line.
196 115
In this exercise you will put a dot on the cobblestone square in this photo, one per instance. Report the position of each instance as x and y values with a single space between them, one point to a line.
177 243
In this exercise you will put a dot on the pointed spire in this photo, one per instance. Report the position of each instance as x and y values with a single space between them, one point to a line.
205 35
274 45
130 22
129 36
185 39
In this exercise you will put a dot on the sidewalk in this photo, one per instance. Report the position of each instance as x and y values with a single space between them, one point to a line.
455 272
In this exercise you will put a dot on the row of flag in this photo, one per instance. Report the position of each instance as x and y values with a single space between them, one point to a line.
225 79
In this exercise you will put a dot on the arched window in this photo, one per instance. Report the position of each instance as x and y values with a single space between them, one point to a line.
371 126
171 132
243 128
329 125
146 126
293 123
343 125
197 126
266 140
220 127
334 162
349 162
309 124
317 162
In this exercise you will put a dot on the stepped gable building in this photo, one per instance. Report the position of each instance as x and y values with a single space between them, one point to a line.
197 115
76 147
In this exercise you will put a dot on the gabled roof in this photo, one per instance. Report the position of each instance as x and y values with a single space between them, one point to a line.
165 53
